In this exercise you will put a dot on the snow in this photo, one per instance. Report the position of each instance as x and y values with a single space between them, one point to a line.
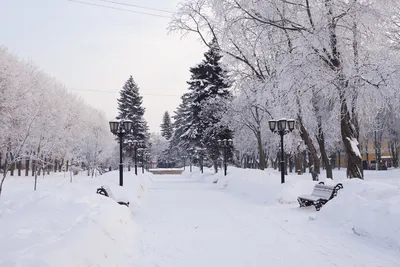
246 218
366 208
67 224
354 146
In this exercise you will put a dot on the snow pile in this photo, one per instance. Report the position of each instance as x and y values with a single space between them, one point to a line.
68 224
265 186
366 208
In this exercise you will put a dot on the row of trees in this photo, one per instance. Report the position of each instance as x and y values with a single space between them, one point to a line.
43 124
332 65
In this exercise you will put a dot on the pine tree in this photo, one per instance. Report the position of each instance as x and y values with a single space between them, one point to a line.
166 126
130 107
182 125
197 120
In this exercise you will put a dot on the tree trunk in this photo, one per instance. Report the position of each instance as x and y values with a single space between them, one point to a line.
6 167
19 167
394 148
215 164
314 160
261 154
286 163
325 158
350 141
27 167
304 156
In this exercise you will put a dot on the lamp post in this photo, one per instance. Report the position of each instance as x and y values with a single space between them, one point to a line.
200 152
190 152
184 162
136 144
146 159
142 159
120 129
281 127
225 144
299 158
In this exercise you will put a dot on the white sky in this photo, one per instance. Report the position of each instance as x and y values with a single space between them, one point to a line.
94 48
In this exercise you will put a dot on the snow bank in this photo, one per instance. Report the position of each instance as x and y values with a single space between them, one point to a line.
264 186
68 224
366 208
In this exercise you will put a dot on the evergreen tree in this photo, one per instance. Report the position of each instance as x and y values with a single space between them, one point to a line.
166 126
130 107
197 120
183 117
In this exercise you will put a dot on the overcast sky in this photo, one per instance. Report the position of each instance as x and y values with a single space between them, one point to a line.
91 49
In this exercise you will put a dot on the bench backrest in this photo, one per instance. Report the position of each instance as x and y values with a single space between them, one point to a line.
323 191
108 190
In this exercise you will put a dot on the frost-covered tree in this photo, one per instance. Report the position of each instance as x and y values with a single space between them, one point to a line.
130 107
43 125
158 145
197 121
166 126
309 55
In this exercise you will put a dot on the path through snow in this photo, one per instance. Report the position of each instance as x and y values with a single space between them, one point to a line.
185 223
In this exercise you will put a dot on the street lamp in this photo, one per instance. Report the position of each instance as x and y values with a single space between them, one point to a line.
190 152
184 162
200 152
225 144
142 158
120 129
136 144
281 127
146 160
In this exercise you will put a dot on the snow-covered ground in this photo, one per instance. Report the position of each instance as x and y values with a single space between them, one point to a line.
68 224
245 219
250 219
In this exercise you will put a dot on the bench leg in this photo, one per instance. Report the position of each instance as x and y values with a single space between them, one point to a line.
300 202
123 203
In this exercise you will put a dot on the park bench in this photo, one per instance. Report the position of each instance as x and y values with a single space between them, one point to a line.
105 191
166 171
320 195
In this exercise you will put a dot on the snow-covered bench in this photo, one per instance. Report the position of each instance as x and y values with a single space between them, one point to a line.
320 195
105 191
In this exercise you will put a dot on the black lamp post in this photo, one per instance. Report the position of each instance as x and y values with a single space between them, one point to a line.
142 159
136 144
190 152
225 144
120 129
281 127
200 152
184 162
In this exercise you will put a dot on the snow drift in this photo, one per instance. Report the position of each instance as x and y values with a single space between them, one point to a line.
366 208
264 187
68 224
